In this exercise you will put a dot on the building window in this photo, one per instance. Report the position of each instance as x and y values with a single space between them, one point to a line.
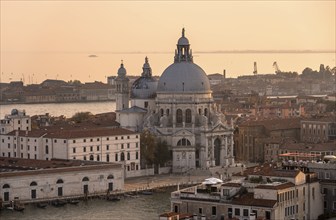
128 137
179 116
128 156
116 157
107 138
46 149
334 205
137 155
122 146
64 141
122 156
74 141
146 104
128 145
313 192
237 212
107 158
91 140
213 210
98 158
84 149
122 137
200 211
91 157
97 148
268 215
327 175
91 148
84 158
188 116
107 147
116 138
74 150
136 145
97 139
55 141
84 140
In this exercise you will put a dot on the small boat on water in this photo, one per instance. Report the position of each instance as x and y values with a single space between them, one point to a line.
19 207
73 201
58 203
147 193
42 205
113 198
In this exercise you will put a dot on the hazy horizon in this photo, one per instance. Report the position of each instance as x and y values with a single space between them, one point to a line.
53 39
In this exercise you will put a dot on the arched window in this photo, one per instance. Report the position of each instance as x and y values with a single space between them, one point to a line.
199 111
6 186
183 142
167 111
59 181
161 112
33 183
91 157
188 116
206 112
128 156
122 156
110 177
179 116
85 179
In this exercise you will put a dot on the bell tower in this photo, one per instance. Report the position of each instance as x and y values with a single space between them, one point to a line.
122 93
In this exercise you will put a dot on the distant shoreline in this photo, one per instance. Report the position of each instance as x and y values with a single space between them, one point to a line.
33 103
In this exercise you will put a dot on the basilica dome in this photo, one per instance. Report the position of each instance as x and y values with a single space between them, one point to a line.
183 75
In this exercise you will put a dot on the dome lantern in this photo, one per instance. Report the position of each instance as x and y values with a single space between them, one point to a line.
183 52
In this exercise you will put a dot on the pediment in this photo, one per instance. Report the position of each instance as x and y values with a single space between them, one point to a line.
220 127
183 133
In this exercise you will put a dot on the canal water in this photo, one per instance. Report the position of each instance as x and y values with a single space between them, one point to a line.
58 109
145 207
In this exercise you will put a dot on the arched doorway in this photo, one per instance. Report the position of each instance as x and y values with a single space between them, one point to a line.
217 147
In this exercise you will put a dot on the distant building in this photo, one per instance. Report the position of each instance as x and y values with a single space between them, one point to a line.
252 136
37 180
17 120
318 130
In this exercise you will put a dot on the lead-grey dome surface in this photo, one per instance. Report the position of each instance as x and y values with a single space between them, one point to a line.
183 77
144 88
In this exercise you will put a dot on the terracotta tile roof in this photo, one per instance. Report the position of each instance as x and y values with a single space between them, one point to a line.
249 200
274 124
276 187
73 133
10 167
99 132
231 184
267 170
328 146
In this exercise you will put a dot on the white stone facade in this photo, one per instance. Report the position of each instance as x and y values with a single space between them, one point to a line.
108 145
52 183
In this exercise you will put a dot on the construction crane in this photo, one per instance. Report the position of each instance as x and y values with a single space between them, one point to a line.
276 67
255 71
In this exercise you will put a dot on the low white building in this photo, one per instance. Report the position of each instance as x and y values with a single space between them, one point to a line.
98 144
37 180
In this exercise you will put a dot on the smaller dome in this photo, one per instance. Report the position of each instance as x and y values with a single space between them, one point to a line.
183 41
14 112
121 71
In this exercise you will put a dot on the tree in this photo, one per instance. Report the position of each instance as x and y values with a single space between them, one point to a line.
81 116
147 148
162 153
